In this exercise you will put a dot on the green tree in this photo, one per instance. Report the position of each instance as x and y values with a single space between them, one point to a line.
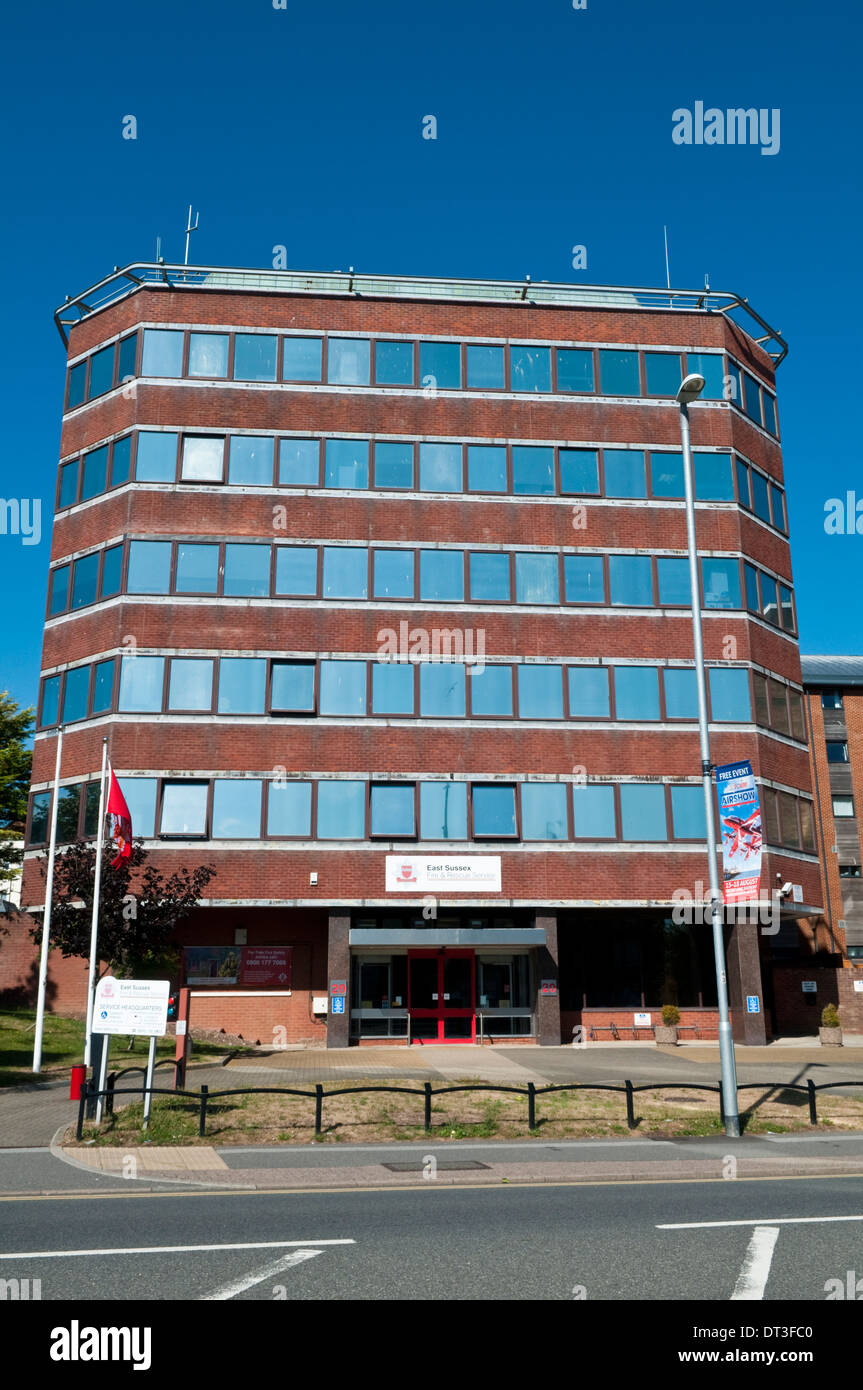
16 726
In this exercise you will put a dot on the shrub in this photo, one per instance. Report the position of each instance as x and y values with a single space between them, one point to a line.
670 1015
830 1017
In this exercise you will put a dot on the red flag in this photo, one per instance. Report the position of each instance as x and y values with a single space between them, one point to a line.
119 820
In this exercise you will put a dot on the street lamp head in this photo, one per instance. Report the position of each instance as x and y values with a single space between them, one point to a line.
690 388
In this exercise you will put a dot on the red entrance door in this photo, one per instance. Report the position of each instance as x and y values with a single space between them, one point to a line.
441 998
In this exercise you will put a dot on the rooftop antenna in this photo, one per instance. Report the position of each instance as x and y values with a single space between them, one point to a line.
189 230
158 248
667 271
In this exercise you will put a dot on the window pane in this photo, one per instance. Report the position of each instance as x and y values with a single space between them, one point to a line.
762 707
798 719
247 570
440 366
666 475
197 568
163 352
486 468
348 361
299 462
250 460
807 826
394 363
843 806
149 567
254 357
126 360
714 481
530 368
112 571
440 468
77 382
347 463
664 374
583 579
743 492
121 461
346 570
543 812
184 808
491 691
687 813
50 701
631 581
786 608
574 369
289 809
593 812
674 586
91 808
140 797
68 484
753 398
40 818
443 810
760 497
788 817
76 693
442 575
837 751
540 692
393 573
753 602
341 810
769 601
203 459
296 569
301 360
392 688
141 680
777 508
732 389
721 581
343 687
536 578
729 694
485 369
85 574
156 459
710 365
681 694
242 685
642 810
779 706
493 810
191 684
579 472
489 576
236 808
624 473
208 354
394 465
442 690
618 373
532 470
392 810
101 372
68 811
58 590
588 692
769 413
636 692
95 473
293 686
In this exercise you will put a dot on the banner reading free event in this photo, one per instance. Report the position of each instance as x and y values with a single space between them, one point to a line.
740 822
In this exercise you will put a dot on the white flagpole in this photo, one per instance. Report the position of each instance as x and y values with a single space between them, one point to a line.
46 921
94 926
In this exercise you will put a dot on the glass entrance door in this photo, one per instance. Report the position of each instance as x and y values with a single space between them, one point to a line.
441 998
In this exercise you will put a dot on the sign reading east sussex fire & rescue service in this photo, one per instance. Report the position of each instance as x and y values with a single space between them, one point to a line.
420 875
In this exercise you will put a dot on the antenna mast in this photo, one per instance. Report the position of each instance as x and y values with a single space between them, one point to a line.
189 230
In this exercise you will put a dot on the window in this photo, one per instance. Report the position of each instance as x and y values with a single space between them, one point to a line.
721 583
393 572
491 691
247 570
293 688
753 601
663 373
807 827
208 355
779 706
140 797
485 368
845 870
831 699
540 692
242 685
348 361
532 470
121 461
588 692
674 586
203 459
50 701
299 462
536 578
255 357
95 473
786 608
184 808
141 681
58 590
543 811
68 812
68 484
289 809
760 496
636 692
392 688
574 369
769 600
788 819
102 371
162 353
296 569
709 365
494 811
593 815
753 398
798 719
489 576
486 468
583 579
762 706
579 472
75 694
618 373
197 568
343 687
392 810
743 483
156 457
666 475
394 363
191 684
77 383
40 812
85 575
443 810
681 693
843 806
440 366
624 473
341 810
837 752
442 692
631 580
236 808
250 461
530 368
687 813
346 572
441 575
91 808
642 811
769 404
729 695
440 468
126 358
394 464
347 463
714 480
777 508
732 389
301 359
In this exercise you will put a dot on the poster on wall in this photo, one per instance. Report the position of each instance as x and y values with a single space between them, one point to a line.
740 823
212 965
260 967
266 967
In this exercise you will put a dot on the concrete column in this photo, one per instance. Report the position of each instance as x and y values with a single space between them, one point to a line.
339 968
744 977
546 963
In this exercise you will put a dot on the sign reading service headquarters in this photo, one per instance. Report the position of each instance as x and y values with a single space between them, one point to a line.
419 874
138 1008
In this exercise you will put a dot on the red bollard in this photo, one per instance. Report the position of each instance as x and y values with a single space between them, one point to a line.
76 1081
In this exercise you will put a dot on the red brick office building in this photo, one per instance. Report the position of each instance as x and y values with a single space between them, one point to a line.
378 588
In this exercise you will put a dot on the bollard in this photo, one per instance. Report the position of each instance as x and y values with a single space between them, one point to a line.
531 1105
82 1102
721 1105
428 1099
813 1112
630 1105
109 1099
76 1081
319 1106
204 1093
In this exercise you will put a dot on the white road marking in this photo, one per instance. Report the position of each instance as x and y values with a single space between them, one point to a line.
168 1249
268 1272
752 1279
756 1221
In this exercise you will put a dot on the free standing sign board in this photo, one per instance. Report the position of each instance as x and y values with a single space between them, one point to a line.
136 1008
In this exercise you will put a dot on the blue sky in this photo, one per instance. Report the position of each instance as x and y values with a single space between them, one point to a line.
303 126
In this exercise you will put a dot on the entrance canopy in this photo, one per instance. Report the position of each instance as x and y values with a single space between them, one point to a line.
488 938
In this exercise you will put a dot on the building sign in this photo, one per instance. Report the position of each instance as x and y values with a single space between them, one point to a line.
267 967
642 1020
753 1004
809 986
338 988
260 967
136 1008
421 875
740 823
548 987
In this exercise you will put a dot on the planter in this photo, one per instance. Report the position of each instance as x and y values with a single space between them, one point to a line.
830 1037
666 1034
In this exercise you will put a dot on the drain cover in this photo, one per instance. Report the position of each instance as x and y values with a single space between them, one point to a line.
444 1165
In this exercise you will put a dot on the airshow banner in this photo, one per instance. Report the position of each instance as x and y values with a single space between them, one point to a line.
740 823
